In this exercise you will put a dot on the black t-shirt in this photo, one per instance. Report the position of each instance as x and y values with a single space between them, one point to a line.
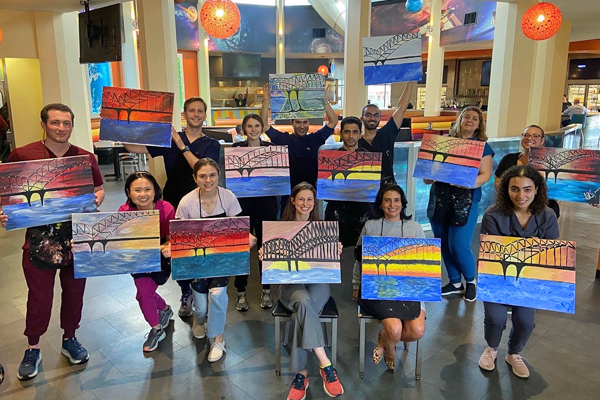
509 160
384 143
240 103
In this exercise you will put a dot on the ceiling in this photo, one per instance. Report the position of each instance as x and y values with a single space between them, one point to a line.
58 6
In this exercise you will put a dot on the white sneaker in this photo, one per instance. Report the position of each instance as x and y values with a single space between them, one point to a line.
488 359
199 331
216 351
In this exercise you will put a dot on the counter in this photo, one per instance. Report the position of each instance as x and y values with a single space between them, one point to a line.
233 113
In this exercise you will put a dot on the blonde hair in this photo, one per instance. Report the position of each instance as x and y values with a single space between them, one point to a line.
479 132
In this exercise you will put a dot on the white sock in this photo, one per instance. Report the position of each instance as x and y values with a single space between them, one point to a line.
456 285
473 282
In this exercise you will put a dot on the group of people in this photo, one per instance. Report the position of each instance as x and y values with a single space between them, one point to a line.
192 192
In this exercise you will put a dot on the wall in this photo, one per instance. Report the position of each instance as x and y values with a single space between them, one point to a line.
190 73
18 34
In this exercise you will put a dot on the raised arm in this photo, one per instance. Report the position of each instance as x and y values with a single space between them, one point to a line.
264 111
234 93
398 115
246 95
332 119
188 155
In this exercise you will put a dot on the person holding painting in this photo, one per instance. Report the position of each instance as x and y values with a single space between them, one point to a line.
453 210
402 320
306 302
259 209
186 149
519 211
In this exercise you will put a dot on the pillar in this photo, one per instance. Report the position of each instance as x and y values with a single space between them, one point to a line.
63 79
435 63
130 70
204 70
358 25
512 65
280 38
547 83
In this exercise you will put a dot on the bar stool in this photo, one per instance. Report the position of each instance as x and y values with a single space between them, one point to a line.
329 314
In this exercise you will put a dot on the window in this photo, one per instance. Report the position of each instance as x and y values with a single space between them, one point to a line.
380 95
470 18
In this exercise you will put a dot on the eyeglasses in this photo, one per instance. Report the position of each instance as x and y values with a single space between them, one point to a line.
369 115
535 136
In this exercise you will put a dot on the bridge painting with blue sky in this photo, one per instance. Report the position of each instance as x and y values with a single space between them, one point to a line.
571 174
297 96
113 243
348 175
403 269
42 192
301 252
136 116
450 160
257 171
388 59
210 248
527 272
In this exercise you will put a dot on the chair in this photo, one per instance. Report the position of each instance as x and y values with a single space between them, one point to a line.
364 319
131 160
328 315
578 119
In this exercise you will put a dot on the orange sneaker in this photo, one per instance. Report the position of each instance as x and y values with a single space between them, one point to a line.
298 389
331 383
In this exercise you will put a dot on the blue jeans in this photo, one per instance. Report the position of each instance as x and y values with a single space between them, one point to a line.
215 307
456 246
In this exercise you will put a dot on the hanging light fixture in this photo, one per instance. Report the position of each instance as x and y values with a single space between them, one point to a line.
414 6
541 21
323 70
0 35
220 18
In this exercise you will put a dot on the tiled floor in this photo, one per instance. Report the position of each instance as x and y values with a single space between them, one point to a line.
563 351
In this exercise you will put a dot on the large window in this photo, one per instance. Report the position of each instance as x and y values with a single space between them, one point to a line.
380 95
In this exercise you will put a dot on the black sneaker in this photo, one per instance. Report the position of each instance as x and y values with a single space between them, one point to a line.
164 316
29 366
451 289
471 292
153 338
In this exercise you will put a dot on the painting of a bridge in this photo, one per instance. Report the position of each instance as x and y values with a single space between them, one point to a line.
448 159
257 171
297 96
136 116
301 252
388 59
571 174
114 243
527 272
404 269
43 192
210 248
348 175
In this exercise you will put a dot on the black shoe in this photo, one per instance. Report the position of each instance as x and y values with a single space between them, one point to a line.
29 366
451 289
471 292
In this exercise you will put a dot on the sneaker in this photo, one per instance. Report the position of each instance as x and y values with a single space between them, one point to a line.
298 389
241 304
331 383
185 310
451 289
518 366
488 359
471 292
74 351
153 338
164 316
216 351
199 331
266 301
29 366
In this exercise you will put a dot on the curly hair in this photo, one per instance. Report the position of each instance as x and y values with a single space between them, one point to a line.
289 213
479 132
386 187
539 203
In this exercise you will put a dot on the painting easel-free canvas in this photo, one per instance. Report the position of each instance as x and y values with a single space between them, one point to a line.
396 58
297 96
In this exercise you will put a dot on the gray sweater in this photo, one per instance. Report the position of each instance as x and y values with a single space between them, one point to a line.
383 227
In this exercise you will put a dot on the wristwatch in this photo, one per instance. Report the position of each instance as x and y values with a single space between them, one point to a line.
186 148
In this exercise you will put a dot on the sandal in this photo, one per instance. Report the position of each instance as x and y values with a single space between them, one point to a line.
376 355
391 364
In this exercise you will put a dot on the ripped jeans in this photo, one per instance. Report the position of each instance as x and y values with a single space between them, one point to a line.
210 300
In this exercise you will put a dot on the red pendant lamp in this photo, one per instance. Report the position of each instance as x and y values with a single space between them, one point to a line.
541 21
323 70
220 18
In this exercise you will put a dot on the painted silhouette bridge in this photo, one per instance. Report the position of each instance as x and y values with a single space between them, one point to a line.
266 157
102 231
38 181
139 101
344 165
224 232
400 251
292 86
553 164
474 149
382 54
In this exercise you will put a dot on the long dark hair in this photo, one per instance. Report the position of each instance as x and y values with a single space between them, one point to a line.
289 213
386 187
539 203
142 175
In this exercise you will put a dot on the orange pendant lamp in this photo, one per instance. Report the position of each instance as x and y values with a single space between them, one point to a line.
220 18
541 21
323 70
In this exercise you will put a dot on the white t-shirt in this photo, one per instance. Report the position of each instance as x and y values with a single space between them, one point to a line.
189 206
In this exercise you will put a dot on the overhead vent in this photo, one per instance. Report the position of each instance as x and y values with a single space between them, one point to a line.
470 18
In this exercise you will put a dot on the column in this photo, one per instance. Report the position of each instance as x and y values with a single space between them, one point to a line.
358 25
550 65
512 65
130 70
435 63
64 80
203 69
280 39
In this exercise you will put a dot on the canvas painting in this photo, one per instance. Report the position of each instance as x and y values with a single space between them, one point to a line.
257 171
388 59
404 269
136 116
348 175
113 243
301 252
42 192
297 96
210 248
571 174
532 272
448 159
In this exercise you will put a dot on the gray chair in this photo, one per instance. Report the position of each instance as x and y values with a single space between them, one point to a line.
364 319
